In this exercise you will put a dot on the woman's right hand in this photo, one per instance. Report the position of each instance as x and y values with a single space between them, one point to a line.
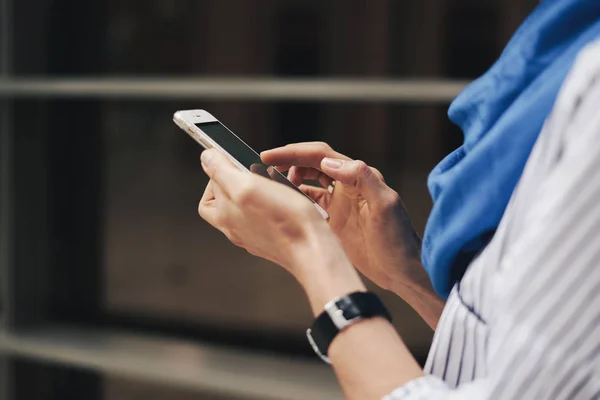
369 218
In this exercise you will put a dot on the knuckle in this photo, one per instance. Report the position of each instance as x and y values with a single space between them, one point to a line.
245 194
377 173
252 252
324 147
232 237
391 199
362 168
215 175
394 197
202 210
221 220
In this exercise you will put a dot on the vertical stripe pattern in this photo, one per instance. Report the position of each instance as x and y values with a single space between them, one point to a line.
524 322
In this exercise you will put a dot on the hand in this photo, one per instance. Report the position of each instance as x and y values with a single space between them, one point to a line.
273 221
268 219
366 214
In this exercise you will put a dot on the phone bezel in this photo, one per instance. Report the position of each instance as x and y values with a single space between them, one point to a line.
187 120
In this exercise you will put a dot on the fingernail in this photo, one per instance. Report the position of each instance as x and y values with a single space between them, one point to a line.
333 163
206 157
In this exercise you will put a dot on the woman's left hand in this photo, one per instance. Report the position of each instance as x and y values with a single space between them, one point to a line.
267 219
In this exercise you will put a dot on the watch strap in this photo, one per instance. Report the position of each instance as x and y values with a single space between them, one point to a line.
340 313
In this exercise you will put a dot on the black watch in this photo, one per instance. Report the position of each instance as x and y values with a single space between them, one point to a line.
340 313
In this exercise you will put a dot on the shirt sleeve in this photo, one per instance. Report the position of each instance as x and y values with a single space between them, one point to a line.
544 338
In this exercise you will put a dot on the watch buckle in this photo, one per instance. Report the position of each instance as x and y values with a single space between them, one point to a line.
337 316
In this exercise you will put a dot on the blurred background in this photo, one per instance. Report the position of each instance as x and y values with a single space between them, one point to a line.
111 286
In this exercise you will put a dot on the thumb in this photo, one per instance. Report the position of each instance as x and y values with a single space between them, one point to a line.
356 174
220 169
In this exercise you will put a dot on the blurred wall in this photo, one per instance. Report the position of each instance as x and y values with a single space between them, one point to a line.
123 181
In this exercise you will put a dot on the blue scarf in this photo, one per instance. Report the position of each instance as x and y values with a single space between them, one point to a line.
501 115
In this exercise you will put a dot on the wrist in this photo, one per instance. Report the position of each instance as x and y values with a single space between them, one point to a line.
407 276
415 289
323 269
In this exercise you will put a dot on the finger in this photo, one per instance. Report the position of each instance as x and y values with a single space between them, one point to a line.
217 191
324 180
315 175
208 211
260 169
295 175
208 194
282 168
220 170
301 174
358 175
300 154
208 207
319 195
379 174
220 211
309 173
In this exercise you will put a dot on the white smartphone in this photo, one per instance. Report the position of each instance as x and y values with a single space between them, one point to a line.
210 133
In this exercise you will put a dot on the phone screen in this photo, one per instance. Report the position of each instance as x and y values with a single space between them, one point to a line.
243 153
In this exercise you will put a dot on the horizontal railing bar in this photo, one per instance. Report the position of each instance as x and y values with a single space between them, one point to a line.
181 364
221 88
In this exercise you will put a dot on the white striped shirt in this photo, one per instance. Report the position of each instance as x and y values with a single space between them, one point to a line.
524 321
